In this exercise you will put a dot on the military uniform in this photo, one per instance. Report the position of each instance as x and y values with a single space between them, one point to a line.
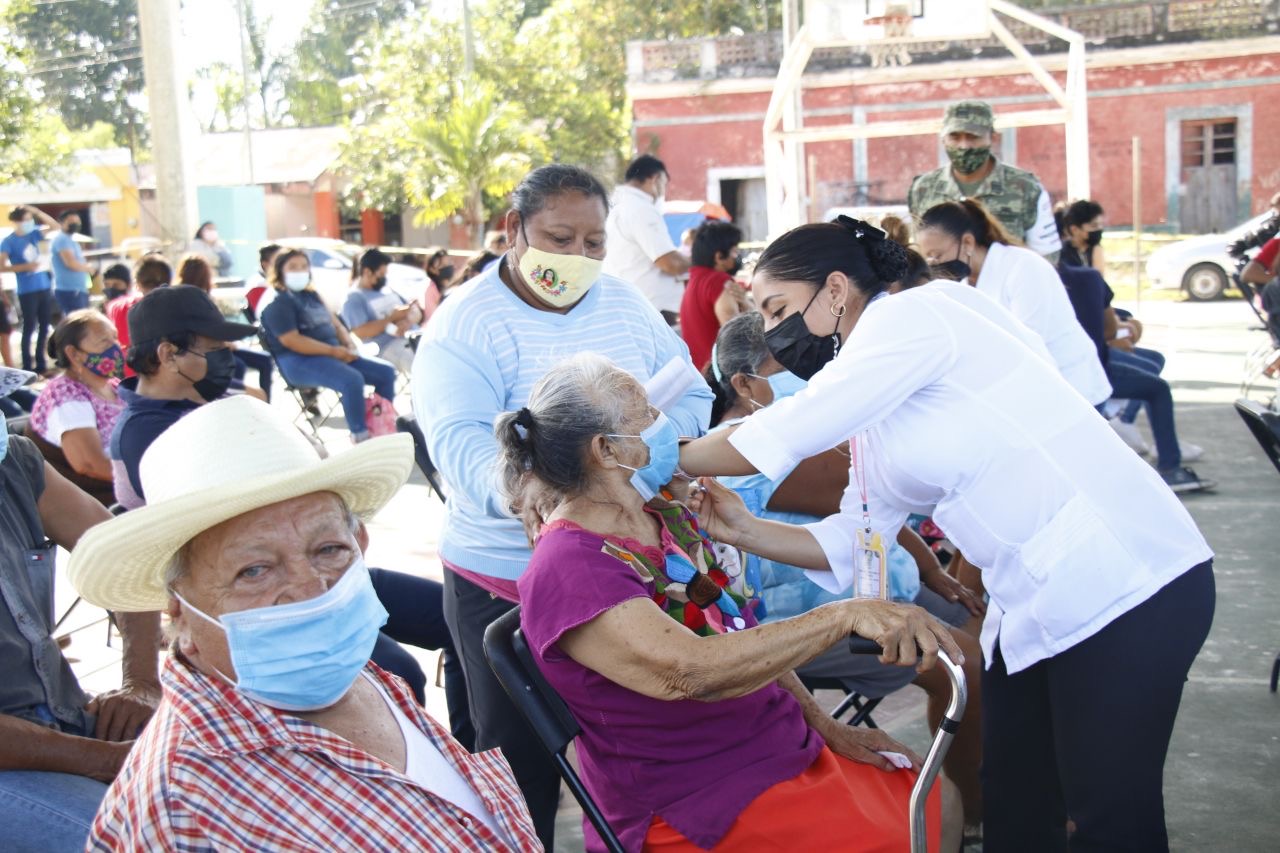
1013 196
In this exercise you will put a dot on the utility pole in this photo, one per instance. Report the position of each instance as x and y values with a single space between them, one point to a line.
468 42
167 108
244 90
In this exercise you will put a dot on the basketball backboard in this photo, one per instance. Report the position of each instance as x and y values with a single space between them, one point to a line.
896 21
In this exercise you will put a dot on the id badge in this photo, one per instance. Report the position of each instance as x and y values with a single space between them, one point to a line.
869 578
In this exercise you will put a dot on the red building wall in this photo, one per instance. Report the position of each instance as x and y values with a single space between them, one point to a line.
1124 102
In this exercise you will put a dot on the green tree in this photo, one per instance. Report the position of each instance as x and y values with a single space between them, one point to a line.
335 36
477 146
33 142
87 56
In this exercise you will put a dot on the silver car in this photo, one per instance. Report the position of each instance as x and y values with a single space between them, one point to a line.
1200 265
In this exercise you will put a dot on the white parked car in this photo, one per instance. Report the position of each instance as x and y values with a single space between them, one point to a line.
1200 265
331 262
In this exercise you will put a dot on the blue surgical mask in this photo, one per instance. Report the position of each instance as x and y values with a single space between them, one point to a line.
26 226
297 280
785 384
304 655
664 457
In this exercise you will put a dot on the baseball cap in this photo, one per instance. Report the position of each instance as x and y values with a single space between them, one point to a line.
968 117
169 311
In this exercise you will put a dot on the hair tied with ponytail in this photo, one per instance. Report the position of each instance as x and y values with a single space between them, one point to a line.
866 233
523 422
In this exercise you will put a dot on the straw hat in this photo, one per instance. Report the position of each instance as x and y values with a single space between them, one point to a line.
222 460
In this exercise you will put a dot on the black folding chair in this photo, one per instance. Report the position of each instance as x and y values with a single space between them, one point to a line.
852 701
306 396
1264 424
548 716
409 424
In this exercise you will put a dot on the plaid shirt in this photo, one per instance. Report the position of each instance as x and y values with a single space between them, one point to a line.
215 770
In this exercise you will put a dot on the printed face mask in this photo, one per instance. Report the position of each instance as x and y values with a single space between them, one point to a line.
664 457
966 161
108 364
304 655
558 280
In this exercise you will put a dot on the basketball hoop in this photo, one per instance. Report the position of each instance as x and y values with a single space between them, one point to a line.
895 24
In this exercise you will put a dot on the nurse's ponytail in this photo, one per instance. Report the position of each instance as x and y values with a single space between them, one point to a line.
967 216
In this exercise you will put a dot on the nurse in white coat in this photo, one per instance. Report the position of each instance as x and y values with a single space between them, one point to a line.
1101 586
963 238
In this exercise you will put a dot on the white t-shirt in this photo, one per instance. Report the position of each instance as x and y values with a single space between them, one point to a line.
1028 285
959 420
638 236
427 767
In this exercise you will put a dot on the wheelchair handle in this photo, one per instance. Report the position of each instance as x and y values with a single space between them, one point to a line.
941 742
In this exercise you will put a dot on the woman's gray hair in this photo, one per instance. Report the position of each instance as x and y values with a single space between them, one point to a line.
740 346
543 448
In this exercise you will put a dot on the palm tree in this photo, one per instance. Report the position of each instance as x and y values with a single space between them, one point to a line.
479 145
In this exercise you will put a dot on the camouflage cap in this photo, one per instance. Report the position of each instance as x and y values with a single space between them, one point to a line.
968 117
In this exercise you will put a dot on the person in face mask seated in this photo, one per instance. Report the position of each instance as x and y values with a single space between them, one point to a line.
746 378
378 315
75 414
678 692
312 347
182 359
274 732
486 346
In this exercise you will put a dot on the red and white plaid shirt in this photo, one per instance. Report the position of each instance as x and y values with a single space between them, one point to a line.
215 770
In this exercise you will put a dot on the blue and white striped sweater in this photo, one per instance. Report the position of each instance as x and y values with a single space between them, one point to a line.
481 355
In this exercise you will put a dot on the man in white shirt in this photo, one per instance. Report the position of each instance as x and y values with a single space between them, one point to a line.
640 249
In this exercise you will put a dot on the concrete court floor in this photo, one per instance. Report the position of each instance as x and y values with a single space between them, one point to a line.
1223 772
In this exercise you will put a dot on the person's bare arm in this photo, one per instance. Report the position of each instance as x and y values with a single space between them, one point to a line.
933 576
46 219
72 262
638 646
1256 273
66 513
5 266
672 263
303 345
28 746
83 449
726 306
815 486
853 742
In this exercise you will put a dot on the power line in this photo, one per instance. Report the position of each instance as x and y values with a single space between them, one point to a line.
75 66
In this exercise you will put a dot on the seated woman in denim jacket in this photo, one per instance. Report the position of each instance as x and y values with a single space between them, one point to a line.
312 347
696 731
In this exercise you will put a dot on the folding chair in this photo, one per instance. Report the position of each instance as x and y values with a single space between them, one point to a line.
852 701
306 396
409 424
512 662
1264 424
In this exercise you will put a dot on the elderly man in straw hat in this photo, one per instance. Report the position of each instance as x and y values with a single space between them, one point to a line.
275 731
58 747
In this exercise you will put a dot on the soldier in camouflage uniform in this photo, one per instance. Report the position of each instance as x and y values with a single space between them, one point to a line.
1014 197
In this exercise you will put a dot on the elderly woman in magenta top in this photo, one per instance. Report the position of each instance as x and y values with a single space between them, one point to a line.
696 732
1101 586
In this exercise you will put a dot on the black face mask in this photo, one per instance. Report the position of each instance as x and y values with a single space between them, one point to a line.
1093 238
956 270
219 369
446 272
72 227
736 268
799 350
952 270
379 283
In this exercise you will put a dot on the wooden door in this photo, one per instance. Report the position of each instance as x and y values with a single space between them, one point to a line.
1208 203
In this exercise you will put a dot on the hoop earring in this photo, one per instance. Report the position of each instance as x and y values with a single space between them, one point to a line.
843 309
